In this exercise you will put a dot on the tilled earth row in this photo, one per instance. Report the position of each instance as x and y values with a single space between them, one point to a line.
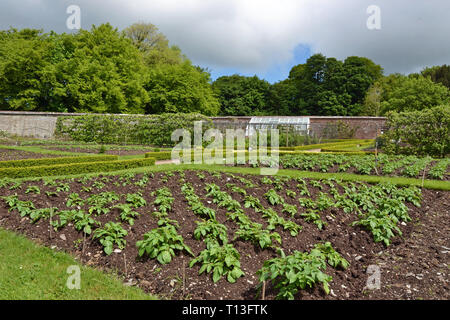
414 266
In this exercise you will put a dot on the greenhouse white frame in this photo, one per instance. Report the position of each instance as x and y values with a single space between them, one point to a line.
298 124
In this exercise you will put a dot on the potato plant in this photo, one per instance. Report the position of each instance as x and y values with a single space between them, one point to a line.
161 244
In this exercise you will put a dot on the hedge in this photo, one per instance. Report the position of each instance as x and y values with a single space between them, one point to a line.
74 168
334 144
54 161
128 129
165 155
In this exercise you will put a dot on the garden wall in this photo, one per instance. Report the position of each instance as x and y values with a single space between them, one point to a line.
42 124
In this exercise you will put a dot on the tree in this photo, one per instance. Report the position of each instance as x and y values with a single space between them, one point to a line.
23 57
438 74
153 44
180 88
91 71
104 74
242 96
327 86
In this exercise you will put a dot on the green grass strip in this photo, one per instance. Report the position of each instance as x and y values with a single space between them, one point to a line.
32 272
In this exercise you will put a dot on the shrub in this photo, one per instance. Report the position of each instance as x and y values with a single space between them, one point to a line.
418 133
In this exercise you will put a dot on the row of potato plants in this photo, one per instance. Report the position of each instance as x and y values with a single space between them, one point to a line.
407 166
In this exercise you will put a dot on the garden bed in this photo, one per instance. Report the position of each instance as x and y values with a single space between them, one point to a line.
10 154
420 252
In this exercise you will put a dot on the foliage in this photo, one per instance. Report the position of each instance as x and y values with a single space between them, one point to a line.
109 235
180 89
211 230
301 270
242 96
400 93
421 133
221 260
161 244
120 129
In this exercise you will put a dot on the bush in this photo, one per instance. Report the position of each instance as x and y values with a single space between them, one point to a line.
123 129
54 161
74 168
419 133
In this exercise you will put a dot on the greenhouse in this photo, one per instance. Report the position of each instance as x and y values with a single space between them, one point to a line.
299 125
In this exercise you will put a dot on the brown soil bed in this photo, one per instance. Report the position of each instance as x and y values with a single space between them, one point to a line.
415 266
8 154
114 152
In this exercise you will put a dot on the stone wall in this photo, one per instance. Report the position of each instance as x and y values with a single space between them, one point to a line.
42 124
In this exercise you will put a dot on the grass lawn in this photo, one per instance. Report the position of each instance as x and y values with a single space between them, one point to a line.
32 272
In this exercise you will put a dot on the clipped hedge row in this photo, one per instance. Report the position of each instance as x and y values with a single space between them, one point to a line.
74 168
166 155
54 161
335 144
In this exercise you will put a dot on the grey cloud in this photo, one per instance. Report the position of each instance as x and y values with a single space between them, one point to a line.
254 35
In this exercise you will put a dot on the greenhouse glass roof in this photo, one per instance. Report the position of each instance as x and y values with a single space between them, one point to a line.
297 123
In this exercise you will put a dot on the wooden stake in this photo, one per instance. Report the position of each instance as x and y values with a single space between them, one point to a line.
125 263
184 278
423 175
263 291
82 250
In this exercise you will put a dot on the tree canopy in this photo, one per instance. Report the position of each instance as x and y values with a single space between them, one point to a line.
137 70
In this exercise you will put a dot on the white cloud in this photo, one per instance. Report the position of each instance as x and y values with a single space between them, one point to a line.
254 35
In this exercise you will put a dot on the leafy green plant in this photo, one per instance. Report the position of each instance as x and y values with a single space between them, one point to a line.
111 234
136 200
255 233
222 261
211 230
33 189
83 221
291 194
74 200
381 226
161 244
23 207
273 198
65 217
126 213
252 202
290 209
300 270
313 216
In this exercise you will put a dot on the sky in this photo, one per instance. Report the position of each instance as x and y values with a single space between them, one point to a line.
266 37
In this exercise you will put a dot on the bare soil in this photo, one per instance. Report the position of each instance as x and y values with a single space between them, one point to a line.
8 154
113 152
415 266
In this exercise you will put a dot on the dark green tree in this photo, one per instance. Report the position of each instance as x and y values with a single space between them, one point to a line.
242 96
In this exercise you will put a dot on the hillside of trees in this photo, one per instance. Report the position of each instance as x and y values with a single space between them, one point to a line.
137 71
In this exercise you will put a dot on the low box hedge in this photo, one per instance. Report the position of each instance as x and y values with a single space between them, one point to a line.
74 168
333 144
168 155
54 161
